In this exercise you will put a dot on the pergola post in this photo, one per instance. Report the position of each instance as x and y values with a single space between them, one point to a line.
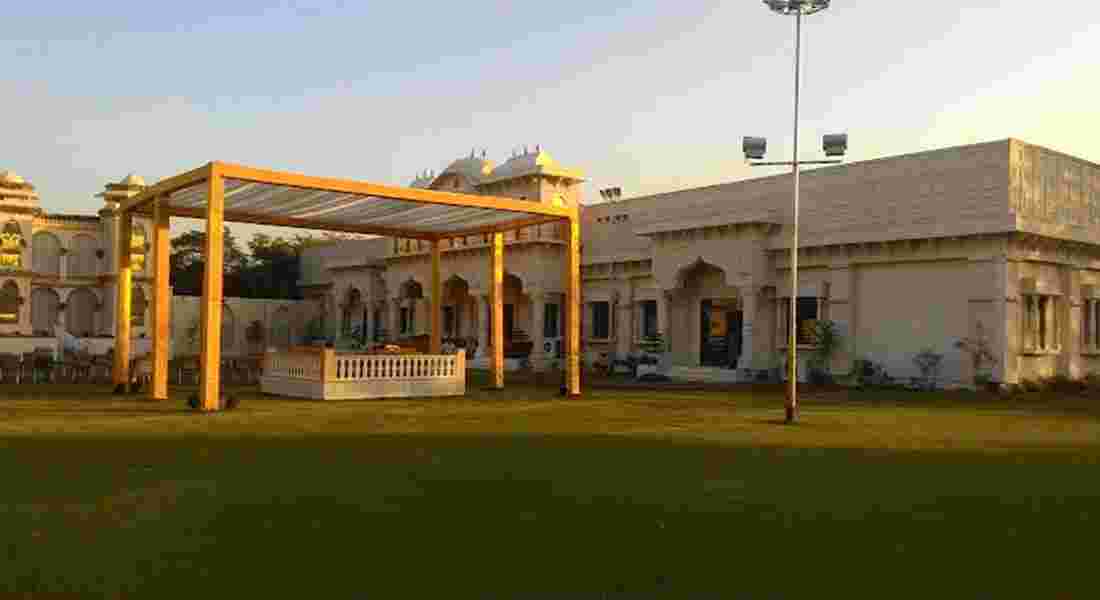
436 346
209 394
496 308
120 374
162 301
573 307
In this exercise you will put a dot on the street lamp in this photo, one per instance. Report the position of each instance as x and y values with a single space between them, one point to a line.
755 148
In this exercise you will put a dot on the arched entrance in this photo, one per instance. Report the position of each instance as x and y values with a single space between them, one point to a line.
80 313
719 319
457 310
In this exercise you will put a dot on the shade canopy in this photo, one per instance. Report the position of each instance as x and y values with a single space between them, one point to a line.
220 193
284 199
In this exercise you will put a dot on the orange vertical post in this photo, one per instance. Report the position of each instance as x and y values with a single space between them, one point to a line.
162 301
496 308
209 394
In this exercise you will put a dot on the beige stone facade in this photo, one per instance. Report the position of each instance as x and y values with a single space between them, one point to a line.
57 269
902 253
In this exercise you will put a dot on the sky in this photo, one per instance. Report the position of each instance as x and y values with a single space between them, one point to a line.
646 95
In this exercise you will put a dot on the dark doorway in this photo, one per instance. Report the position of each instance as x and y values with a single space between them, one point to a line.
720 333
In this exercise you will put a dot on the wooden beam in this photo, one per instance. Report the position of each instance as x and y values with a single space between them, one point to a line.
162 301
166 187
436 346
210 356
573 307
243 217
391 192
496 308
123 299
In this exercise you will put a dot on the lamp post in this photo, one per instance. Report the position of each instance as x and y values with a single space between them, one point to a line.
754 148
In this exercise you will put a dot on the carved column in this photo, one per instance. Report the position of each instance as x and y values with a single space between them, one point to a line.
538 315
749 358
482 326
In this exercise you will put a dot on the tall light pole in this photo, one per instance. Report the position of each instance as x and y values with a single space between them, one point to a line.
834 145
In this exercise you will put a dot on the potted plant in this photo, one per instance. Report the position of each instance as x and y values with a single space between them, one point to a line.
827 341
651 349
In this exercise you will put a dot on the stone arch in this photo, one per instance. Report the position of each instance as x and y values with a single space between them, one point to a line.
82 256
459 307
700 274
351 310
9 302
46 253
80 312
45 303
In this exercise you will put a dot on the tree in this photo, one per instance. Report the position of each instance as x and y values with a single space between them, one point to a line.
187 265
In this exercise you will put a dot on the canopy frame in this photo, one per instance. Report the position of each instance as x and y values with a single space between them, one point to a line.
157 201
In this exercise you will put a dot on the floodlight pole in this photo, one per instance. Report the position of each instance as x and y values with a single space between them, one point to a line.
791 407
796 6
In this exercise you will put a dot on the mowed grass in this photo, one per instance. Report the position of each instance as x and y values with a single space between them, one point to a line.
624 493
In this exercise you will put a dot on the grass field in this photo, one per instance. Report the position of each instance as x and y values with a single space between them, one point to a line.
521 494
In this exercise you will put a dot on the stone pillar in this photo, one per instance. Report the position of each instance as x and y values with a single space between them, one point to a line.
624 325
395 319
750 356
538 316
368 319
664 327
841 313
62 313
482 326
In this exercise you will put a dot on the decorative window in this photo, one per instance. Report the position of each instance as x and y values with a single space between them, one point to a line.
807 312
601 320
9 303
649 319
137 249
82 259
1040 327
11 246
46 253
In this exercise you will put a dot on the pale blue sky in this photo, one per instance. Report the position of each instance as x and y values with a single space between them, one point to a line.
648 95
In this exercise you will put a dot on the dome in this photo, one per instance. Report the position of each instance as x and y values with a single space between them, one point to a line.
11 178
133 179
526 163
471 167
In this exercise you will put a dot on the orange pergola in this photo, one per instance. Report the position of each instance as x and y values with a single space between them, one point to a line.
219 192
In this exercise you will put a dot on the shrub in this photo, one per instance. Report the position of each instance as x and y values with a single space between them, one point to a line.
929 364
978 348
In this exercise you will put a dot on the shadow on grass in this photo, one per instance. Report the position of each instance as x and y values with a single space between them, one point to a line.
511 515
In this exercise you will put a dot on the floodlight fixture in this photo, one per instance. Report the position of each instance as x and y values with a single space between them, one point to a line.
799 7
835 144
754 147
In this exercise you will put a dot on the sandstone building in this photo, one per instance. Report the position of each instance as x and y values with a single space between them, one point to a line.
902 253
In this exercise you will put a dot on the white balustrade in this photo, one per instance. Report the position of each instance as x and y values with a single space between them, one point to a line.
321 373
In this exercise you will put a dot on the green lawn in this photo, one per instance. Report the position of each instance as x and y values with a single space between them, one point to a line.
519 494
